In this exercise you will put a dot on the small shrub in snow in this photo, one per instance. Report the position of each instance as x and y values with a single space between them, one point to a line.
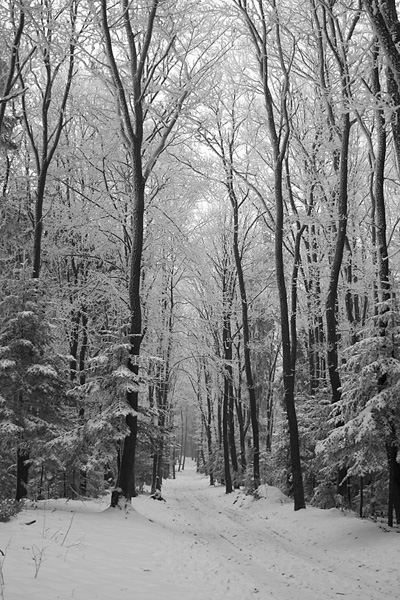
9 508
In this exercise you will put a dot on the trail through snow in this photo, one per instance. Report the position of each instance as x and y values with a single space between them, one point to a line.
199 545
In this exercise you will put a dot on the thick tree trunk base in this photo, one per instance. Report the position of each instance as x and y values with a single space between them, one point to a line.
23 465
118 500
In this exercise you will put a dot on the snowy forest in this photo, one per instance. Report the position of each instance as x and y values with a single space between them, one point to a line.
200 248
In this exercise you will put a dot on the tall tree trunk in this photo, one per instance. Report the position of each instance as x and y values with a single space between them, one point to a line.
394 481
332 295
231 404
84 346
165 349
126 477
23 464
134 134
227 373
240 412
38 220
141 68
288 357
384 19
82 381
209 425
225 438
334 37
384 288
245 329
279 130
74 342
185 439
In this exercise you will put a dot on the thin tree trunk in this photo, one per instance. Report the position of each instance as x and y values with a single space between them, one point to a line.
208 424
279 138
241 417
185 440
231 422
288 358
82 380
225 440
182 442
332 295
246 335
84 346
74 343
227 346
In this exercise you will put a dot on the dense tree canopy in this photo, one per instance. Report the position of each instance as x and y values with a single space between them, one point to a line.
199 247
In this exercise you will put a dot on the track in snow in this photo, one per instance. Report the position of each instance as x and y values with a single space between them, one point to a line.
263 549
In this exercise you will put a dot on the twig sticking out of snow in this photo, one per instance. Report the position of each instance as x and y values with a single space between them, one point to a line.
2 584
37 557
68 530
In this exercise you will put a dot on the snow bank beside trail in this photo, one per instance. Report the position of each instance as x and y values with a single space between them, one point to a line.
81 506
272 494
59 550
313 527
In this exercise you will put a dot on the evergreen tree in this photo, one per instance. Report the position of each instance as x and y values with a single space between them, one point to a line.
31 376
366 421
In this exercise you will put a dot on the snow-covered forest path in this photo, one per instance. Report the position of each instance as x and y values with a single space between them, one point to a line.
201 544
245 548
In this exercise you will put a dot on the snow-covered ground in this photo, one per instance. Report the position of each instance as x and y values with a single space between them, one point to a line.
199 545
